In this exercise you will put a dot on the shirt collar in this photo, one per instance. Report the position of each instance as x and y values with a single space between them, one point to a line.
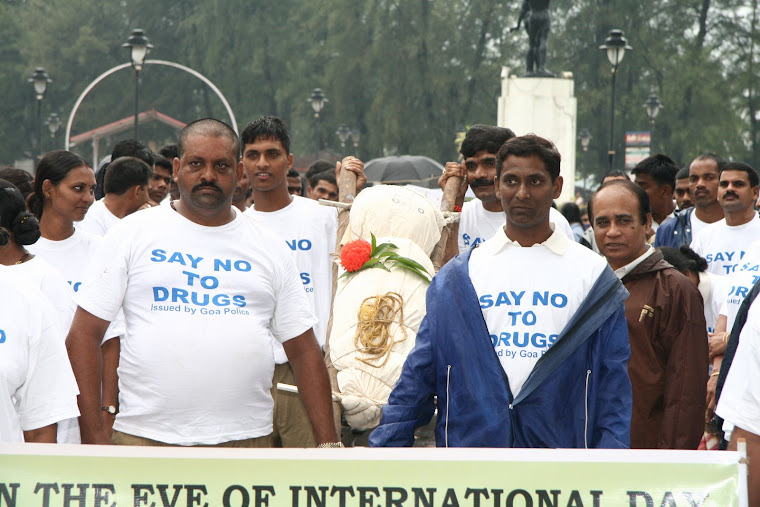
557 243
621 272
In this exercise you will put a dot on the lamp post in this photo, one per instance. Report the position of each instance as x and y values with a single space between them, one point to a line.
139 47
584 136
343 132
355 136
615 45
317 101
652 106
53 123
40 80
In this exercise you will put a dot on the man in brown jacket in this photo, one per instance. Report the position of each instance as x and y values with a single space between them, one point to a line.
666 323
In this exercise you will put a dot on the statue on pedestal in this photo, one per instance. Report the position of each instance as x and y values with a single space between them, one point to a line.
535 13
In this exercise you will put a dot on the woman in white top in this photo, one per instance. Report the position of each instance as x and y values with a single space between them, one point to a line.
64 188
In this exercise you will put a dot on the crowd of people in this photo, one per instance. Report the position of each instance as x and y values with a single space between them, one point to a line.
167 311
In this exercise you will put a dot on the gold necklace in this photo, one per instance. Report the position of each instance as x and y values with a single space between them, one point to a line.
23 258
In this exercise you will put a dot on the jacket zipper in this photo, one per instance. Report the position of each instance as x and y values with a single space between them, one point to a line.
585 422
448 403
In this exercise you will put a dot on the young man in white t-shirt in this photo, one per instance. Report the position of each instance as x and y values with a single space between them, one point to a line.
481 217
523 331
309 231
205 291
126 186
726 242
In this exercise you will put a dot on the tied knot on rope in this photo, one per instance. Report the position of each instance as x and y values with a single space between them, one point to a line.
373 330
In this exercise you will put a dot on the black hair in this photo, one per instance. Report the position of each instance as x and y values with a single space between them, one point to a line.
571 212
169 151
133 148
19 178
684 259
317 167
292 173
207 127
15 221
484 137
126 172
54 166
616 173
635 189
528 145
267 127
161 161
683 173
741 166
328 176
719 161
661 168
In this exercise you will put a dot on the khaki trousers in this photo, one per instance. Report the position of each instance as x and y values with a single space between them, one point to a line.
120 438
291 425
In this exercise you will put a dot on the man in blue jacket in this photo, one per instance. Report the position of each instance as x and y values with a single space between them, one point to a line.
525 341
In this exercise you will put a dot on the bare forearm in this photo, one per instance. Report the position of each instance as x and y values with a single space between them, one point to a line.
83 345
45 435
314 387
110 351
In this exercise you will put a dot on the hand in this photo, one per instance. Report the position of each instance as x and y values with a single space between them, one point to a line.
717 344
354 165
454 169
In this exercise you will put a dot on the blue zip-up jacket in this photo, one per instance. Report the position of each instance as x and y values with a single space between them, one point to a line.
578 394
675 231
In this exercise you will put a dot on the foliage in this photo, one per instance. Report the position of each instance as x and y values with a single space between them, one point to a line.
409 74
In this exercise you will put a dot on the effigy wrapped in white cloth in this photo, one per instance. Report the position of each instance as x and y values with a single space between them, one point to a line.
377 312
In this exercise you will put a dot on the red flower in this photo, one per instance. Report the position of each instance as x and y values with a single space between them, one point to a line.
354 254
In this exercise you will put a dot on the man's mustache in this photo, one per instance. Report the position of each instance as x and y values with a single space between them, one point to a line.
481 182
207 184
730 194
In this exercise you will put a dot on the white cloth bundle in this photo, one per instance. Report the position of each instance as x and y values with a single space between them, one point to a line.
412 223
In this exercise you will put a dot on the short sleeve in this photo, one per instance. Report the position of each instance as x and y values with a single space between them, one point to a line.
105 283
292 313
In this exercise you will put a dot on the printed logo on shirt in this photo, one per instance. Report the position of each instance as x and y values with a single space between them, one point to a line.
517 342
725 258
200 296
299 244
75 285
466 239
2 336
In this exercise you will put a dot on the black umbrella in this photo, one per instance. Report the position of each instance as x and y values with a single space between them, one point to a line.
403 170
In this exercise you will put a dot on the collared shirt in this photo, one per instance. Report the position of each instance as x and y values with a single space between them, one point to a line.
621 272
556 243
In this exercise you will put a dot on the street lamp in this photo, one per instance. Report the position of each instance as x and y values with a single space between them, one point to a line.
584 136
40 80
139 47
652 106
615 46
355 136
53 123
343 132
317 101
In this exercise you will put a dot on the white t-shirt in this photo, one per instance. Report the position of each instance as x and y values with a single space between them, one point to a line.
714 289
37 386
98 219
529 294
477 224
725 246
697 226
309 231
202 306
739 403
740 282
71 257
37 273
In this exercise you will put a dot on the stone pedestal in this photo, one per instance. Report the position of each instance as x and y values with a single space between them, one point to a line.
545 107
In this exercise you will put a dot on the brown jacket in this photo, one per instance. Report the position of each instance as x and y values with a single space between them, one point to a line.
669 357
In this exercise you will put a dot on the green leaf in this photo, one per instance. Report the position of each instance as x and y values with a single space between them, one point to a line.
384 248
422 274
408 262
374 244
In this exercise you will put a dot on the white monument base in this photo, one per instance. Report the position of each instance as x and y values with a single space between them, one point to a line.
545 107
